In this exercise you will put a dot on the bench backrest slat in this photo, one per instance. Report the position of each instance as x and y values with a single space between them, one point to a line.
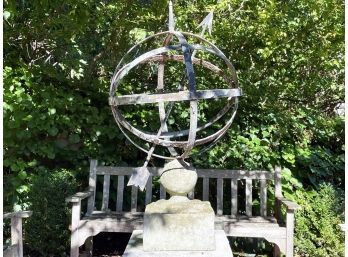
148 193
234 174
263 197
92 185
106 189
205 189
248 197
120 187
234 195
277 182
163 193
219 196
134 199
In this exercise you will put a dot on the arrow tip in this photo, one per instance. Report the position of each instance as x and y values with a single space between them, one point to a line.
171 24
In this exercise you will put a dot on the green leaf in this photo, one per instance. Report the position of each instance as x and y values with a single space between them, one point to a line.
6 15
74 138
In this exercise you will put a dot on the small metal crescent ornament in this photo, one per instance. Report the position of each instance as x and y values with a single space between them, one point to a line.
173 140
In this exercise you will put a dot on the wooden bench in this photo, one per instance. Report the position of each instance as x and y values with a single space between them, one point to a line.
236 222
16 247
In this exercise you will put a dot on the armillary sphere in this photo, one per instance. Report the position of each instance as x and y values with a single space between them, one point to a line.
176 47
193 95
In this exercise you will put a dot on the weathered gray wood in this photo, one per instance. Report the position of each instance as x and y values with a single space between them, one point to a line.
290 205
148 194
116 171
119 199
173 97
134 199
205 189
92 185
79 196
163 193
248 197
277 209
18 214
277 182
263 197
234 197
202 173
16 234
277 192
11 251
106 188
290 220
219 197
242 220
75 219
16 248
234 174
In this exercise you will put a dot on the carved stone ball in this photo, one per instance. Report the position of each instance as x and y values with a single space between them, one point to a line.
177 179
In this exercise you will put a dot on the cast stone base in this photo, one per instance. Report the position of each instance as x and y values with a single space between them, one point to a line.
179 224
135 248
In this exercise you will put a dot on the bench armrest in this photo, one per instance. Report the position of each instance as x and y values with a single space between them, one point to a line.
290 205
18 214
78 197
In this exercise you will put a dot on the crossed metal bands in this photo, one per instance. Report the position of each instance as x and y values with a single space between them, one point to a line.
186 54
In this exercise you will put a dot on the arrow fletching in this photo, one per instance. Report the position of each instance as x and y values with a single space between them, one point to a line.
139 178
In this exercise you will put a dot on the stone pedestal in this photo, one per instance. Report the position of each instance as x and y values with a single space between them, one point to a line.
135 248
179 224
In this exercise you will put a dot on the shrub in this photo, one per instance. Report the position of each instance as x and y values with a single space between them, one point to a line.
317 232
47 229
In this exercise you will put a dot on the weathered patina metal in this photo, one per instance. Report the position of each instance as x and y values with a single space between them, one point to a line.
185 53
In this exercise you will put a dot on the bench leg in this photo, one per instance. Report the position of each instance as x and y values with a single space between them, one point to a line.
89 246
74 250
290 220
16 235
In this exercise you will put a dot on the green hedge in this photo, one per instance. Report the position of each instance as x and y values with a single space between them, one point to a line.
47 230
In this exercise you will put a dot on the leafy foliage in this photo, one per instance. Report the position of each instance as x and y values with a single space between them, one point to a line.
47 230
317 223
59 57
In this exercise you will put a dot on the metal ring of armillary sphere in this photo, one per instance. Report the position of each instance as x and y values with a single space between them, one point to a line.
185 54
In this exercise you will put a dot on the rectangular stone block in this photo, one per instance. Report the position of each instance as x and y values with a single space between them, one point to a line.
135 248
179 226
